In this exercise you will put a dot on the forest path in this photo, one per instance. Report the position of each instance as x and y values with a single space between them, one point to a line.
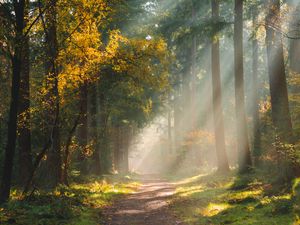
148 206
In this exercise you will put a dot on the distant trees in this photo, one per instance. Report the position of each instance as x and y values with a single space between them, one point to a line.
249 79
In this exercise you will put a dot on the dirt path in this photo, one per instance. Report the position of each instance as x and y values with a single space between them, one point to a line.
148 206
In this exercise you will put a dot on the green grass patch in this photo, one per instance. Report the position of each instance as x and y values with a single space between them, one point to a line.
79 204
233 199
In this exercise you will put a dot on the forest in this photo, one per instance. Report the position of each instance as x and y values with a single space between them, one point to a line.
150 112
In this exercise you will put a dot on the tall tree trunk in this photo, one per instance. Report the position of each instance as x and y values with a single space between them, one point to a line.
170 144
127 137
277 76
255 97
25 157
105 154
223 165
193 76
295 54
54 161
117 146
19 7
66 160
278 87
242 133
177 117
83 129
94 128
294 51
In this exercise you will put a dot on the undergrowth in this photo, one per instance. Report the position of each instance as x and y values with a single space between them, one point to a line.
236 199
78 204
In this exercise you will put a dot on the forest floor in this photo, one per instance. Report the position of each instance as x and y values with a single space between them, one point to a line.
80 203
207 199
253 199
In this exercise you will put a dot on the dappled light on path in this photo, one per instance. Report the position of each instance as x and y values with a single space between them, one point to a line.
149 206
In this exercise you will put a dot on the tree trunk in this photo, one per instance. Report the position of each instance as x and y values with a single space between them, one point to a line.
193 76
105 154
117 149
242 133
83 129
25 157
13 113
54 162
170 143
255 97
94 128
278 88
177 117
66 160
127 139
223 165
294 51
277 76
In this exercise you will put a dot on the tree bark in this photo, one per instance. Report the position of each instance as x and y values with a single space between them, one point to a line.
242 133
105 154
83 129
170 142
117 149
278 88
127 139
277 76
25 157
54 161
94 130
222 160
193 75
255 96
19 7
294 51
66 160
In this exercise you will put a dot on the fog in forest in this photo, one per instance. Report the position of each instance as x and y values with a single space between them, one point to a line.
188 109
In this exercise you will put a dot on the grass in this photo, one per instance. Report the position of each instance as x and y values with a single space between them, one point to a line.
231 199
79 204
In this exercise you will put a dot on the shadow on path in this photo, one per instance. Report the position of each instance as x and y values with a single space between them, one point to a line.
148 206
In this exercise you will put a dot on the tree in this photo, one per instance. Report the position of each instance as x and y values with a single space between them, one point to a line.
96 167
242 133
83 129
278 86
293 33
18 10
25 158
54 161
255 97
217 95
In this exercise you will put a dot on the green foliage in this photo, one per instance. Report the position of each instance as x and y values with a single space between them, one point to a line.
77 204
231 199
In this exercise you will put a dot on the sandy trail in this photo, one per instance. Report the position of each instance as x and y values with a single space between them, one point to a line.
148 206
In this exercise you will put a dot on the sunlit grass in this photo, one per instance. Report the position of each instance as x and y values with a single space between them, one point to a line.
213 209
81 203
232 199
